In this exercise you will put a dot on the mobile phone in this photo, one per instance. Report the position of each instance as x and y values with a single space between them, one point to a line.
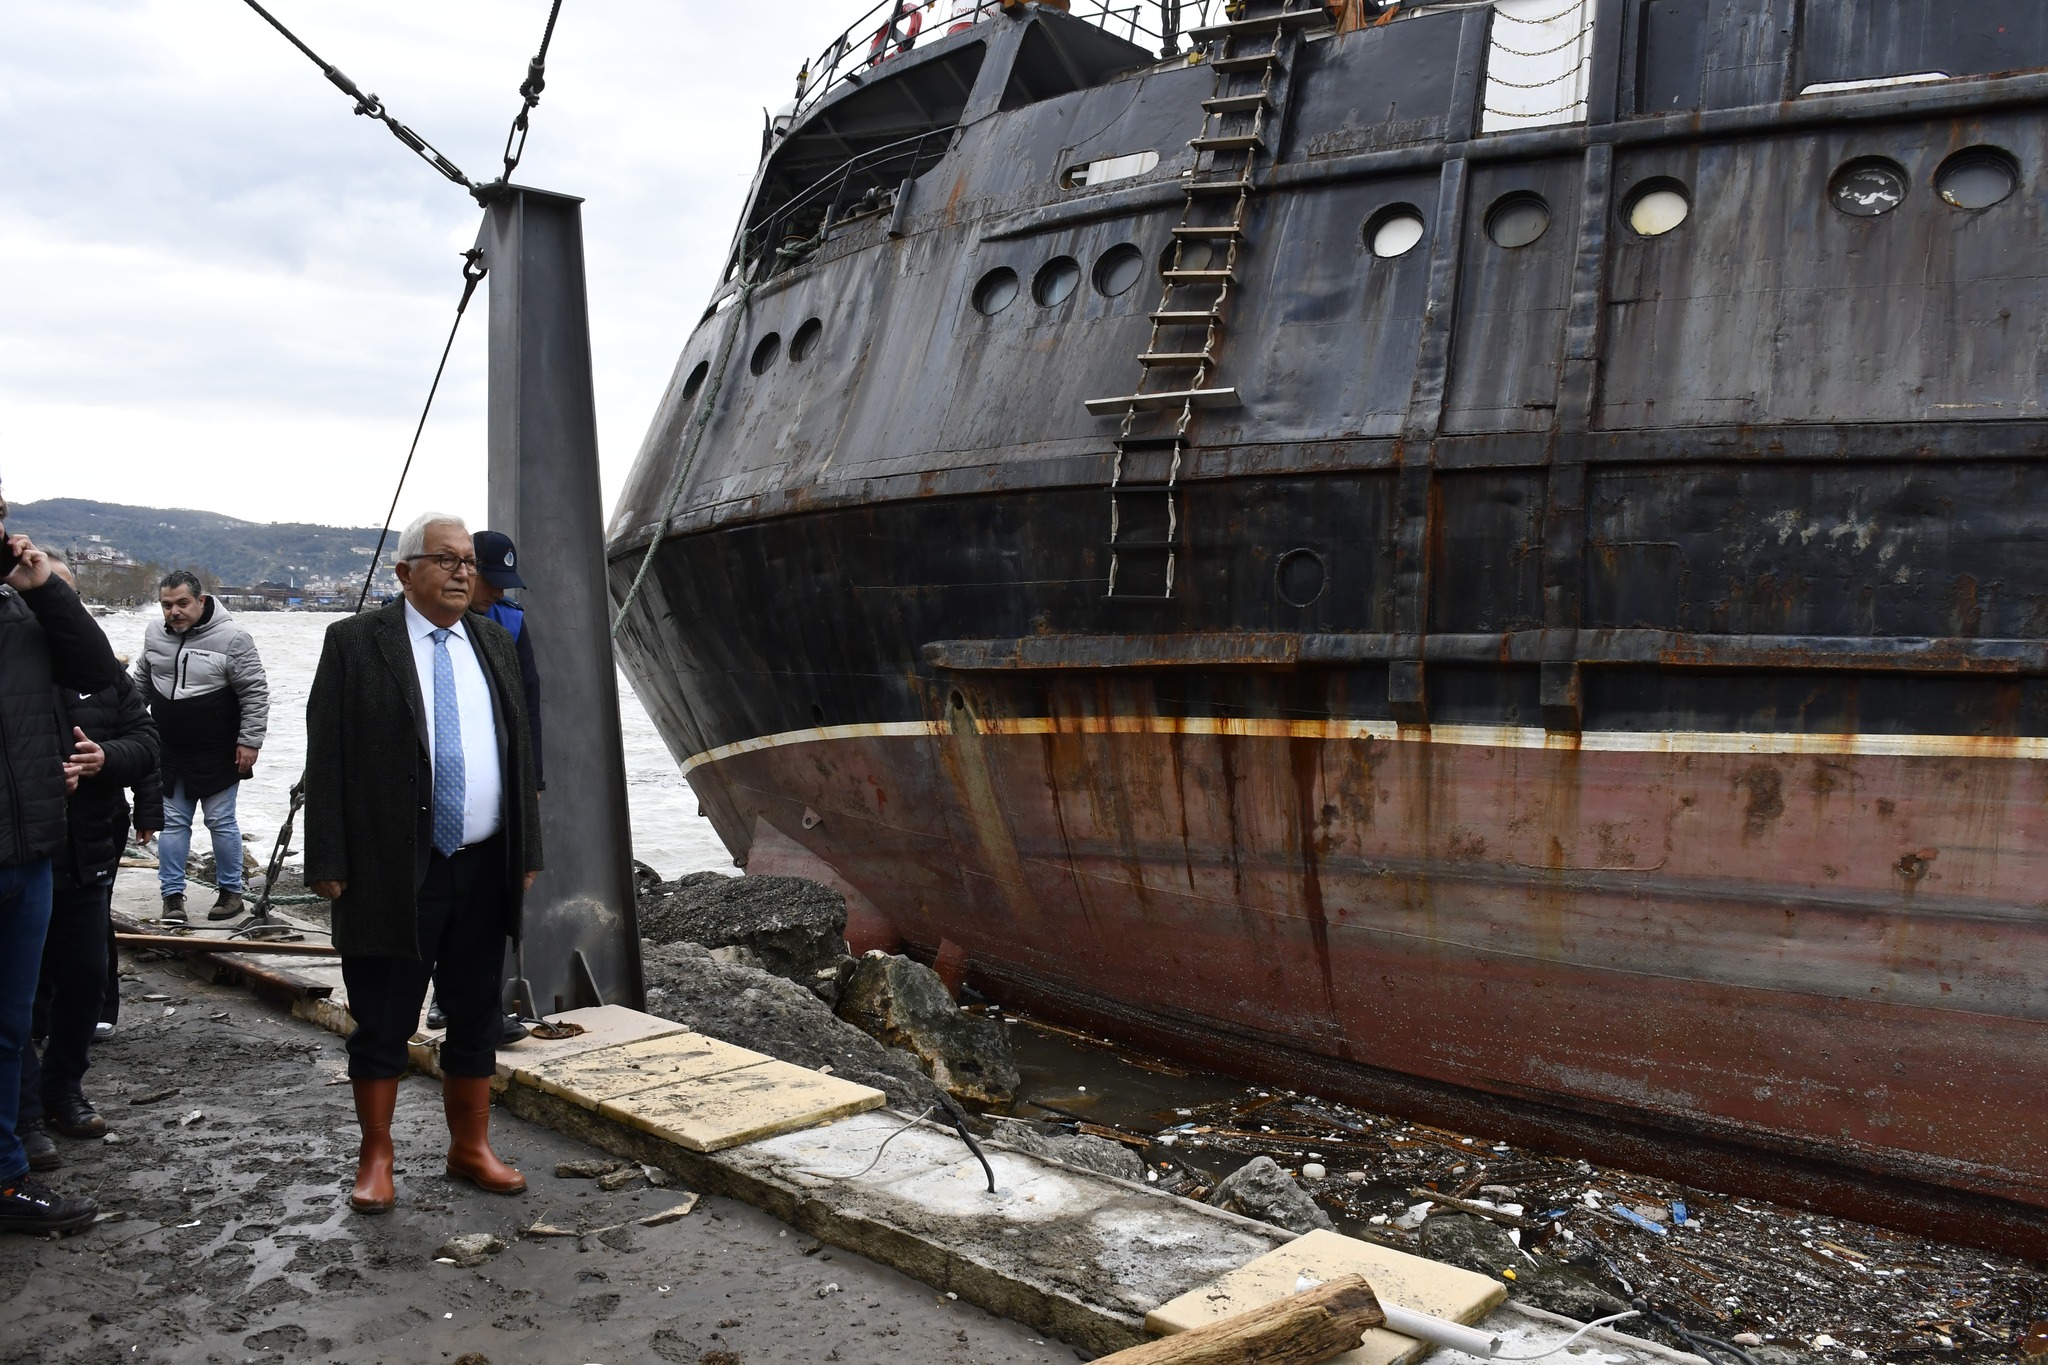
8 559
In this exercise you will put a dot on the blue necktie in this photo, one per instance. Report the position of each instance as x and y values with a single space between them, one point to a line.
449 789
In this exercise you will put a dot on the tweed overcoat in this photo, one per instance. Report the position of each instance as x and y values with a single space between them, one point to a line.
369 778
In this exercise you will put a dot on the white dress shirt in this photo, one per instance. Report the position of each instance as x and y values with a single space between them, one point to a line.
483 784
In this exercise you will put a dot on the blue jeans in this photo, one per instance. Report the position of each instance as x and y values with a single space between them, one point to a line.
24 919
174 845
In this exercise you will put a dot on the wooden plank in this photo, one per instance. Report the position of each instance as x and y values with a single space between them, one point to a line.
1316 1325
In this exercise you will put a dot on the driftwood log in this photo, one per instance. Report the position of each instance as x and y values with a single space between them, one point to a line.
251 947
1302 1329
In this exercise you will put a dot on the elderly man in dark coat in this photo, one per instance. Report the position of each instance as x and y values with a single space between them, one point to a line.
423 828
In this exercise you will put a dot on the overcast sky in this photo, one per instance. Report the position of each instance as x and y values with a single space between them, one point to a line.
220 289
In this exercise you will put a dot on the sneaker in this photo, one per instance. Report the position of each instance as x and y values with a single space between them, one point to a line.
72 1115
42 1152
102 1030
26 1205
436 1019
228 906
514 1031
174 909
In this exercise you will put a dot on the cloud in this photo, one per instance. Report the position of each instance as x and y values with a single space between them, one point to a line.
224 290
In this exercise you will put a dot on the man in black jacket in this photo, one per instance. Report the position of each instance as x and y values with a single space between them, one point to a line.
47 639
423 828
116 748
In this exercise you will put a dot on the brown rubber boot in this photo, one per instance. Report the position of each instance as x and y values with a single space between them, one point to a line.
375 1101
467 1101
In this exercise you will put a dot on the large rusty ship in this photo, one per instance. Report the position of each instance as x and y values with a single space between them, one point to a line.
1485 559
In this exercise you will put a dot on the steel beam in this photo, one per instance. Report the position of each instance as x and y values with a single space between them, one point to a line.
581 931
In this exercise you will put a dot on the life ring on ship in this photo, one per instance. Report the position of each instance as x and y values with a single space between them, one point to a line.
896 37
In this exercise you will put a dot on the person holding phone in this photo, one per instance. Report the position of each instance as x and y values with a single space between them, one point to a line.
47 640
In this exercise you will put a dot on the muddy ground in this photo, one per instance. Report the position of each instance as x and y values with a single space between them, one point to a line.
229 1239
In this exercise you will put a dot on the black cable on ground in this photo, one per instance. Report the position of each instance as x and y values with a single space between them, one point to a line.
472 272
959 1120
1707 1348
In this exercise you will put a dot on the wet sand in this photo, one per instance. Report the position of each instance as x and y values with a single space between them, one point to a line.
229 1238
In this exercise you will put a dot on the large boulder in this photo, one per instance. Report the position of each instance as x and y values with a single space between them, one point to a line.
904 1004
788 926
1461 1239
1099 1155
754 1009
1260 1189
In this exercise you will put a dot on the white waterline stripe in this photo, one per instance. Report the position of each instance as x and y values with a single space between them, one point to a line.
1463 736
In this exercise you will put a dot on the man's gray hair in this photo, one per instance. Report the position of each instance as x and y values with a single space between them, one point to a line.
413 540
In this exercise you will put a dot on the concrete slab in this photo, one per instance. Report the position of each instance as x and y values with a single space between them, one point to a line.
736 1105
1442 1291
612 1073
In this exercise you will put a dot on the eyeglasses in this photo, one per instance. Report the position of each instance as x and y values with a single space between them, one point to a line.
450 564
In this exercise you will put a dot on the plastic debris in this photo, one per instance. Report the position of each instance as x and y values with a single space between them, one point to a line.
1624 1211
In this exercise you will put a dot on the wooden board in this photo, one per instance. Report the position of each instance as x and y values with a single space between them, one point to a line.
592 1078
710 1113
1442 1291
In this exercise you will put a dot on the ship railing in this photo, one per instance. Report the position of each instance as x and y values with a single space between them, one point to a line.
858 188
891 28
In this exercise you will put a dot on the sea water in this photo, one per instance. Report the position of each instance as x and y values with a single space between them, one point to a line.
668 834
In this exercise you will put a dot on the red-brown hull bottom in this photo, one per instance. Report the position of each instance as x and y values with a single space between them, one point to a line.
1806 969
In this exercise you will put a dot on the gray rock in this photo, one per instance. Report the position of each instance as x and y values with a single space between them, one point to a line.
471 1250
788 926
1478 1244
1260 1189
1071 1149
904 1004
751 1008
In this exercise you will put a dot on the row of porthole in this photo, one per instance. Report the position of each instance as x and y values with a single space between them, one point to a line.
1116 270
1974 178
767 351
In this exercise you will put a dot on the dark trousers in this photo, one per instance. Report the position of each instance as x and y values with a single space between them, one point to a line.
74 978
462 944
24 916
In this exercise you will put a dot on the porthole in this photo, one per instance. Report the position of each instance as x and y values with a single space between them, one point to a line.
1056 281
1394 231
1299 577
1119 269
1517 220
1194 255
1977 178
695 383
806 340
765 353
997 291
1656 207
1868 187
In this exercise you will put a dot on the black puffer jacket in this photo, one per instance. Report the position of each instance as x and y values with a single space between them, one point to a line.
47 640
116 719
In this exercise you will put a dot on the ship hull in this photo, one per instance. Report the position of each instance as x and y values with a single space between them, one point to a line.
1580 675
1404 906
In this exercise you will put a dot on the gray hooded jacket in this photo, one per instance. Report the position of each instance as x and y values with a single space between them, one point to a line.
208 693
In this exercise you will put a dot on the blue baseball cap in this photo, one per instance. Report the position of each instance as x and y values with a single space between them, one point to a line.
497 559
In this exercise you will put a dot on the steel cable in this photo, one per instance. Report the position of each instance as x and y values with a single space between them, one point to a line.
473 270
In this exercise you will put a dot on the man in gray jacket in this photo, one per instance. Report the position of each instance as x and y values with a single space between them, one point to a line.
205 686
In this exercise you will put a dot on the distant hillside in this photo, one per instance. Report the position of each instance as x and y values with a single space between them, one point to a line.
224 549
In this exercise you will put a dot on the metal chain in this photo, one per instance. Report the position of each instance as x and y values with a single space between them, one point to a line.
370 106
529 91
1513 19
473 271
1498 46
1492 79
